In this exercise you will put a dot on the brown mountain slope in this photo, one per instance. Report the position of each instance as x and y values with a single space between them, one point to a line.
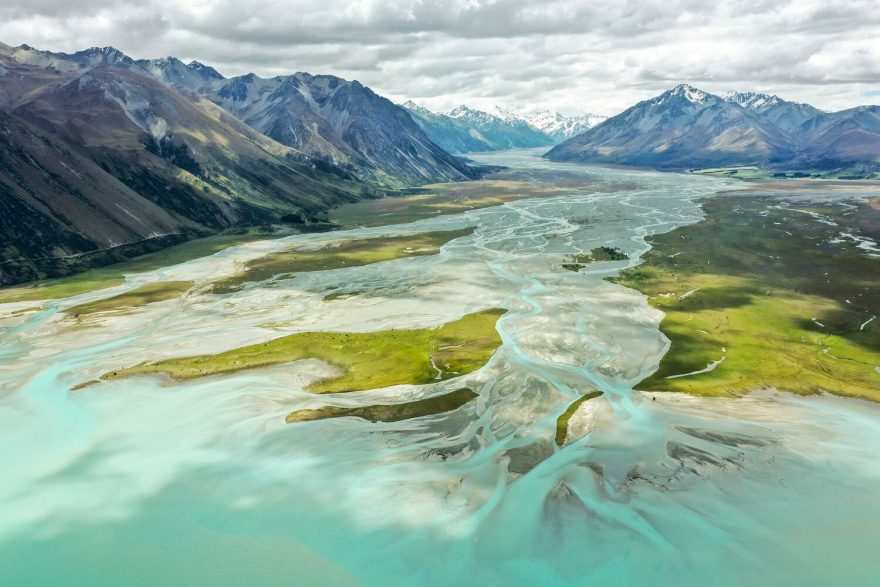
110 156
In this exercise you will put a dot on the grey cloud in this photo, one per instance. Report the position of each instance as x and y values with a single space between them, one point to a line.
569 54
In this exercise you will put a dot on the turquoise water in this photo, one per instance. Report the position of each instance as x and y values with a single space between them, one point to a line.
144 482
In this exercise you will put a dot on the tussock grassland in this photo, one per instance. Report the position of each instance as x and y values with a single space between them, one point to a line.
769 293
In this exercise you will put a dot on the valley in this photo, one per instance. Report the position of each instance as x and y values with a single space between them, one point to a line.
439 293
105 158
433 369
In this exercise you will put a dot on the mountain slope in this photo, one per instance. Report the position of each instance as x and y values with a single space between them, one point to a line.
450 133
501 132
126 119
332 121
56 201
683 127
104 157
467 130
343 123
111 158
785 115
841 139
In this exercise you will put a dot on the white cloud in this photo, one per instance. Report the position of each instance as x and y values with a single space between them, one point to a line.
573 55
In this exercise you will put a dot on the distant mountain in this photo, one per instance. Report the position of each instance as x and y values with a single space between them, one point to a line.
103 157
788 116
686 127
499 132
450 133
333 121
683 127
559 126
845 139
341 122
466 129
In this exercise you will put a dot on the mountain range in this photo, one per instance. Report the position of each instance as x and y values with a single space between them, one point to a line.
464 129
687 128
105 156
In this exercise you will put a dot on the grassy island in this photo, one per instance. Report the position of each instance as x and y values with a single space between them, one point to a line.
565 417
390 412
366 360
579 261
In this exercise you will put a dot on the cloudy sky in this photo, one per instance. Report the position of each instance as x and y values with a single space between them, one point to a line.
576 56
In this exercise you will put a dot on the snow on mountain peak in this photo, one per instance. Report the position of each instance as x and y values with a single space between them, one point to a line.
556 124
752 100
412 106
203 69
548 122
690 93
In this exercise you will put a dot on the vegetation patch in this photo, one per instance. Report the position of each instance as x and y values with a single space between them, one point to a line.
367 360
113 275
581 260
748 172
439 199
766 293
351 253
562 421
146 294
753 173
390 412
340 295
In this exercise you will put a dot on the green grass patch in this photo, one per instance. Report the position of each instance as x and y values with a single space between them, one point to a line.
350 253
390 412
581 260
367 360
562 420
113 275
770 291
146 294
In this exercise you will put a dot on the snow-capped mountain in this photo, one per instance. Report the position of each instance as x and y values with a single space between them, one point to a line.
687 127
465 129
751 100
174 72
788 116
682 127
560 126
